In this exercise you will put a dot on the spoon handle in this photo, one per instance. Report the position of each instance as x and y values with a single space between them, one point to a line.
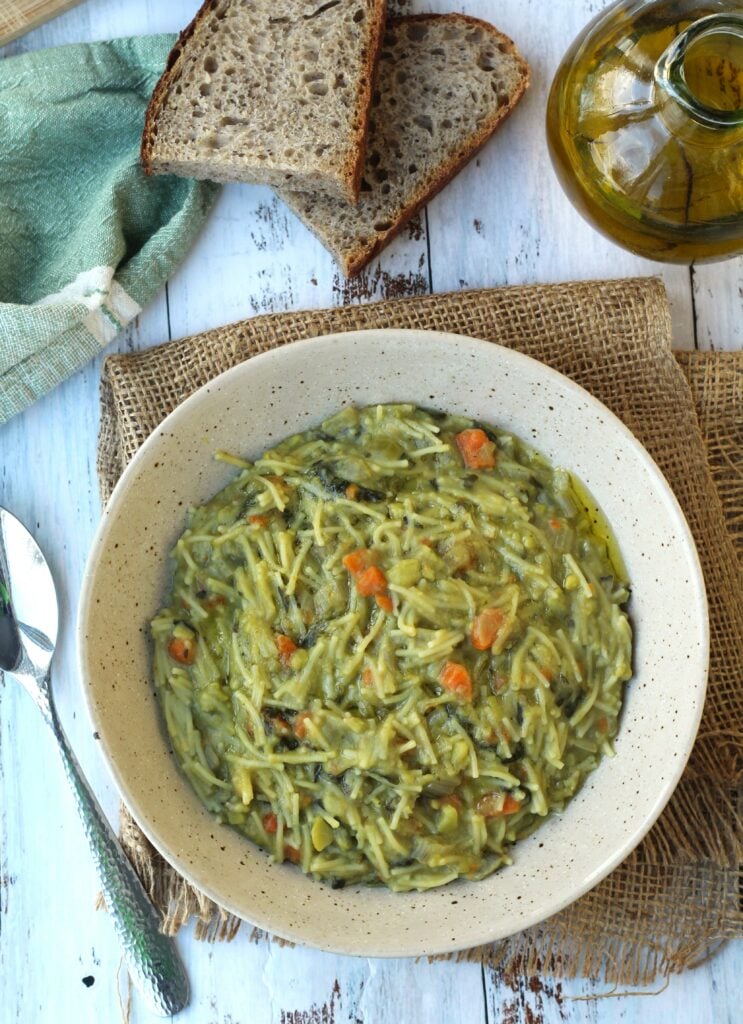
151 957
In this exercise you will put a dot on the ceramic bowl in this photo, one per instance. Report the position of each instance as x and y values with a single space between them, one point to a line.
290 389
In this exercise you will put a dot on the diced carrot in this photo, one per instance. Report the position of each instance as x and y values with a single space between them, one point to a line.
490 806
555 524
452 800
485 628
367 677
476 450
215 601
427 542
510 805
300 724
455 678
258 520
602 724
371 581
292 853
270 823
286 647
182 650
356 561
352 492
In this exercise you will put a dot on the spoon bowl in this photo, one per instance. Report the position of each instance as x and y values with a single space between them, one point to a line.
26 650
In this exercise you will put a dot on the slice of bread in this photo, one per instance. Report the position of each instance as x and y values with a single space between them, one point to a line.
269 91
444 84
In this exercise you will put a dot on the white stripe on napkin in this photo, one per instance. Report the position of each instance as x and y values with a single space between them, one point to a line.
111 308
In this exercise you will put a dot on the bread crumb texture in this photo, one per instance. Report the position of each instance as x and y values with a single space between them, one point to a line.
268 91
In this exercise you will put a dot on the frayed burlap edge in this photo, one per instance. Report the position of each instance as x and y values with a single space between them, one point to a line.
677 896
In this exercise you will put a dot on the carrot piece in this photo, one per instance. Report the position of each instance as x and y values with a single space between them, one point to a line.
292 853
270 823
357 561
455 678
476 450
215 601
300 724
182 650
367 677
485 628
384 601
490 806
258 520
510 805
286 647
602 724
371 581
352 492
555 524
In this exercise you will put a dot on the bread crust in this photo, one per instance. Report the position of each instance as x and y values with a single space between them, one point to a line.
358 260
351 173
363 106
166 80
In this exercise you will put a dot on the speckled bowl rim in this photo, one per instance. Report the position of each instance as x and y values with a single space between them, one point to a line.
420 943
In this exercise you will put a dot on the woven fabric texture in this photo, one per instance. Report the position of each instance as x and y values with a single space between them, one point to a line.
677 895
86 239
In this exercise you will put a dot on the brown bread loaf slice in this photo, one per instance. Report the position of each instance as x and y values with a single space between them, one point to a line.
269 91
444 84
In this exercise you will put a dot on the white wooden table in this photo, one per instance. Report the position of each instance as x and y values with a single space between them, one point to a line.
502 221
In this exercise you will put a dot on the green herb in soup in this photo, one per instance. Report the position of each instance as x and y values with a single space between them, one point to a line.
394 644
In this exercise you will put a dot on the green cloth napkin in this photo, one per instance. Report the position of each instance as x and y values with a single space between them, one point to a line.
86 239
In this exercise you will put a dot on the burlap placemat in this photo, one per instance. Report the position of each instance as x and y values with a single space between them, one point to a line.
677 895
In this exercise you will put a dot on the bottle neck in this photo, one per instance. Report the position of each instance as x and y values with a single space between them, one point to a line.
702 71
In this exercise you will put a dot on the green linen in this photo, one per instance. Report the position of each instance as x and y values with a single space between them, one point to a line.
86 239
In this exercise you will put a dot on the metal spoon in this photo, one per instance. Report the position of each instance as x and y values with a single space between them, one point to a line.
28 634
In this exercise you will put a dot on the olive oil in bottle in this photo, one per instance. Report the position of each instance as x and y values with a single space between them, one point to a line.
645 127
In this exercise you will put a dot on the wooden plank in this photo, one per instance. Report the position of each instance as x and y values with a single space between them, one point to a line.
59 956
318 987
702 996
256 257
20 16
718 304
